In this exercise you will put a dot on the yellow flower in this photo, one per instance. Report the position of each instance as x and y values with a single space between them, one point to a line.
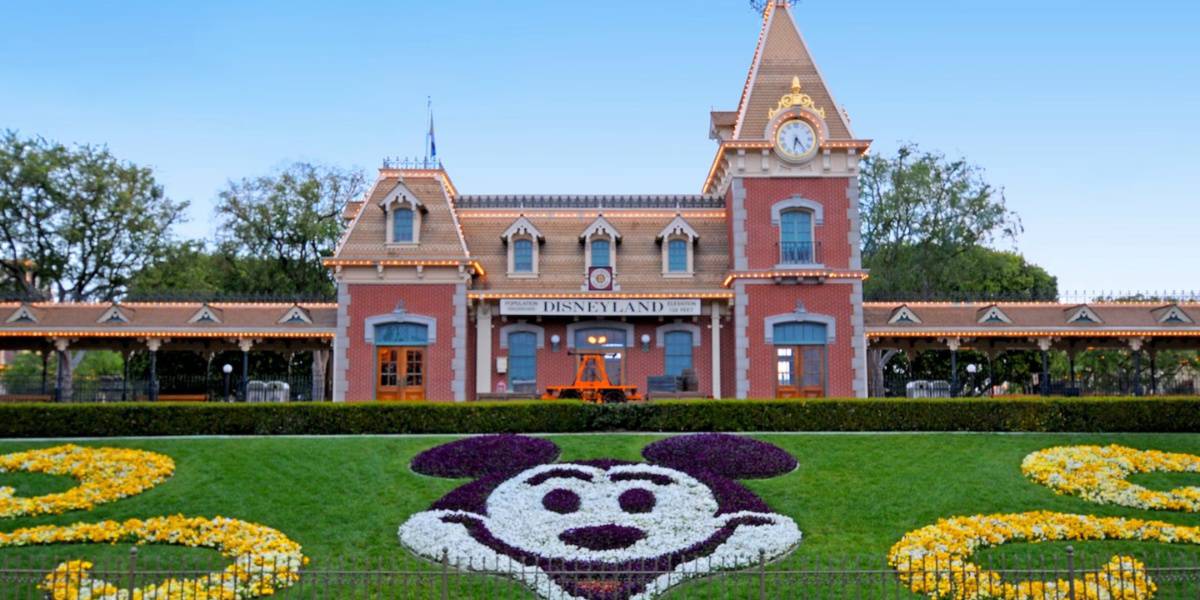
1099 474
104 474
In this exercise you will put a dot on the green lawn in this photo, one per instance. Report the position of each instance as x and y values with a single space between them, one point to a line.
343 498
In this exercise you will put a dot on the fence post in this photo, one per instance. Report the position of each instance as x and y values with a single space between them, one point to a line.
1071 572
762 574
445 574
133 554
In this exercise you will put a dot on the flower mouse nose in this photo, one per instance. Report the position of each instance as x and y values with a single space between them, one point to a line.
602 537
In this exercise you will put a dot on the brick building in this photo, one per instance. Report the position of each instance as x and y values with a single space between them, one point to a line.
755 284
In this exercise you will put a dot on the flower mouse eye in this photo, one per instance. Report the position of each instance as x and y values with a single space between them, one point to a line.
561 501
637 500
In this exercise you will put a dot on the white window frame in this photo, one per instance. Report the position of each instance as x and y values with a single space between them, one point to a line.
401 198
816 213
601 229
523 229
678 229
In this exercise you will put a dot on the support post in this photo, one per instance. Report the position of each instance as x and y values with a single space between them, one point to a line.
716 350
64 365
1135 346
320 359
1153 370
245 345
1044 345
483 348
953 344
153 344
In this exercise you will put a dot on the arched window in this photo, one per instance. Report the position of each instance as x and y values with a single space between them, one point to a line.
401 334
610 342
523 256
522 361
796 237
678 352
601 253
402 225
677 256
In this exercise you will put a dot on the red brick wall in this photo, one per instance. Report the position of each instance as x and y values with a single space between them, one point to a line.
828 299
435 301
762 236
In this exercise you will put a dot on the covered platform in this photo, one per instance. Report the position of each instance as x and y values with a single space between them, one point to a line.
1102 348
56 330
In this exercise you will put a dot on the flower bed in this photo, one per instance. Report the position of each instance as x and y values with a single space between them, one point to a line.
104 474
264 560
935 561
733 456
1098 474
475 456
602 528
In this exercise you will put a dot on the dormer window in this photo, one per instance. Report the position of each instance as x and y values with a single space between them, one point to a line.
523 240
678 239
599 240
601 253
403 213
402 225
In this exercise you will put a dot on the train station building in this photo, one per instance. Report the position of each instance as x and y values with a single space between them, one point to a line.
751 288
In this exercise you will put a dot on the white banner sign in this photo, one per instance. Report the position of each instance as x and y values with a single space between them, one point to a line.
600 308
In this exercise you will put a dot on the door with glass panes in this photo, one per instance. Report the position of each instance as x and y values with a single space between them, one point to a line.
799 359
400 373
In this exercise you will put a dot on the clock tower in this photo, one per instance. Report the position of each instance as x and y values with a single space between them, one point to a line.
787 165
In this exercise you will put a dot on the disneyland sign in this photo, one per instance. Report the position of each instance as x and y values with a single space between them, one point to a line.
623 307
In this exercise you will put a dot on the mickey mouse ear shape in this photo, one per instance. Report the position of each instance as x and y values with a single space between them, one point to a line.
732 456
485 454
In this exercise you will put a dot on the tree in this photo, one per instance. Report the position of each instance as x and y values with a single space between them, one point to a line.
76 221
927 224
279 226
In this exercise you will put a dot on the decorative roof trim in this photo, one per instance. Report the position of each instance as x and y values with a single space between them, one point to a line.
678 225
24 313
400 194
1083 314
600 226
522 226
296 314
904 314
992 314
601 201
114 313
1173 314
206 314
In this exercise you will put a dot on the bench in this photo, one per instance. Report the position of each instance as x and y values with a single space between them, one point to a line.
26 398
183 397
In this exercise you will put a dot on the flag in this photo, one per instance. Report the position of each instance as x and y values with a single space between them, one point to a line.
432 154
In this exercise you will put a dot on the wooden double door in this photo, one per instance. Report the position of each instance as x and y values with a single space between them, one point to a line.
799 371
399 373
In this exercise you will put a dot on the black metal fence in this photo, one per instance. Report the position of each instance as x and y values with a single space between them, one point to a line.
1044 573
197 388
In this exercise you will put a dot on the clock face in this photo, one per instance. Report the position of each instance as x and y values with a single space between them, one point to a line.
796 140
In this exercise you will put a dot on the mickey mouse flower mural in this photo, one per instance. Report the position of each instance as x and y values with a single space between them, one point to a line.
567 529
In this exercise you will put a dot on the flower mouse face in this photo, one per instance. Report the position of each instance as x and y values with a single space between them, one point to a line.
585 512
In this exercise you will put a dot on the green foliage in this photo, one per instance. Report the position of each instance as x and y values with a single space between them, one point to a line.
927 223
1022 414
77 221
184 266
276 228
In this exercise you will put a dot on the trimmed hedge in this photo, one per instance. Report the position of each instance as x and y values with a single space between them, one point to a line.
1180 415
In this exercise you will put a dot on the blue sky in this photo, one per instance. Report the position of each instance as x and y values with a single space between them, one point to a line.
1085 112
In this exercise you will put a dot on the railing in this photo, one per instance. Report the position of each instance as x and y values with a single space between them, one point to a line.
942 384
260 388
426 164
1160 574
1065 296
799 253
195 296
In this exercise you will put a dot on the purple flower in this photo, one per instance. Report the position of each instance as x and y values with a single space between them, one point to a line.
561 501
637 500
732 456
485 454
602 537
